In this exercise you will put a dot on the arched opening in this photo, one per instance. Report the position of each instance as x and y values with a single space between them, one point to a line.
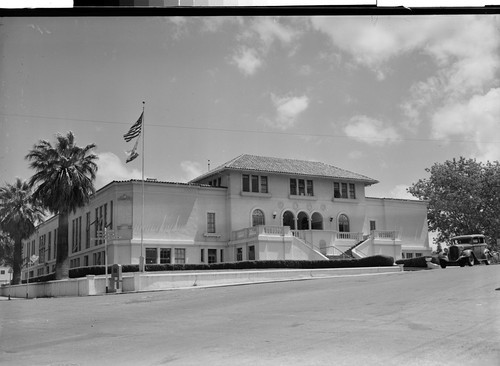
258 218
289 220
344 224
302 221
316 221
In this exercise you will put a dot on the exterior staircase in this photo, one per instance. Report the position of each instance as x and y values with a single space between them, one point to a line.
349 251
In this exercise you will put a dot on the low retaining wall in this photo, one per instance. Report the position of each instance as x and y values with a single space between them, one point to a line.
96 285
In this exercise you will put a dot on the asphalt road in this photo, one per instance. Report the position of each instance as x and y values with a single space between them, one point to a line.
434 317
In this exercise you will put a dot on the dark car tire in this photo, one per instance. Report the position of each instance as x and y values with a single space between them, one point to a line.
487 262
462 262
470 261
443 264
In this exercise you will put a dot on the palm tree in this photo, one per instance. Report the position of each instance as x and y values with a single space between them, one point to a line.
19 213
63 182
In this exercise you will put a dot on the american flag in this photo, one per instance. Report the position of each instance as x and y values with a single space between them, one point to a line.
135 130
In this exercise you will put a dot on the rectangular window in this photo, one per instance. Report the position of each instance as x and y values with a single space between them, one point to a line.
180 255
336 190
86 261
255 183
49 246
344 190
418 255
202 256
263 184
373 225
105 215
251 253
293 187
151 255
302 187
111 215
246 183
33 247
352 191
56 231
87 230
222 255
96 226
211 222
41 249
310 190
165 255
212 256
409 255
239 254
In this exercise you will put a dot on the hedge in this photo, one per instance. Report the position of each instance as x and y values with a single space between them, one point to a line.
416 262
373 261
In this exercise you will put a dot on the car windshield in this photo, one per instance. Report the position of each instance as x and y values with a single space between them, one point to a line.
469 240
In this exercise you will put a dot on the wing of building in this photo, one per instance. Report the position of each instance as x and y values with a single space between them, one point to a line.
250 208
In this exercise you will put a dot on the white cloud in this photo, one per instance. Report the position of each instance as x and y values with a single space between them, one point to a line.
257 39
111 167
287 110
192 169
247 60
370 131
476 120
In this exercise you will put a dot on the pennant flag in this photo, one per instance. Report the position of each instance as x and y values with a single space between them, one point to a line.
135 130
132 154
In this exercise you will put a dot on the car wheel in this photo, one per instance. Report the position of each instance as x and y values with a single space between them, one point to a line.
462 262
443 264
470 261
487 262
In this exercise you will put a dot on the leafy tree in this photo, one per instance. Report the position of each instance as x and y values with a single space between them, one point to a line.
63 181
19 213
464 198
6 250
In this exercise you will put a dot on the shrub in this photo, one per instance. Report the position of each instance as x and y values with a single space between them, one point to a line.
418 262
373 261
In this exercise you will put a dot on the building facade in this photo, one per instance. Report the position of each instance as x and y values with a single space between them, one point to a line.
250 208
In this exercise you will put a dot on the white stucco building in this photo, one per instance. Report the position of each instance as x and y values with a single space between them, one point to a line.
250 208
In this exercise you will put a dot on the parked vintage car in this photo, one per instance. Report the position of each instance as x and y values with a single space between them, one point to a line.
466 250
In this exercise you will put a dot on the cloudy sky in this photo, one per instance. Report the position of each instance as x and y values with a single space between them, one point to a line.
381 96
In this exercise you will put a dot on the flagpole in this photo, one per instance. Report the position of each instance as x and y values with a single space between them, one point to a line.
141 258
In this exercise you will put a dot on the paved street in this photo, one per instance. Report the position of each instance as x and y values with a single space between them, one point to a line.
438 317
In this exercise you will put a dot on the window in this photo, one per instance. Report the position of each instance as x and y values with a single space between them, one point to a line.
202 256
87 230
239 254
251 253
258 218
180 255
373 225
41 249
212 256
352 191
222 255
293 187
344 190
344 224
418 255
255 183
246 183
86 261
2 271
77 235
111 215
55 242
301 187
409 255
310 191
211 222
49 246
263 184
165 255
151 255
